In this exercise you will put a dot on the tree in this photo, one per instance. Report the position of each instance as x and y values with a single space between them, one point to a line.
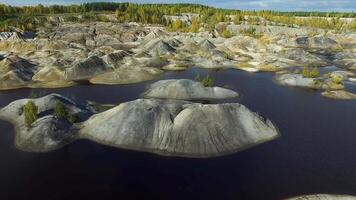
314 73
305 72
30 113
60 110
238 19
207 81
195 25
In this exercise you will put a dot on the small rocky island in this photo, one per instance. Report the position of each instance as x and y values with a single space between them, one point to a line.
164 122
323 197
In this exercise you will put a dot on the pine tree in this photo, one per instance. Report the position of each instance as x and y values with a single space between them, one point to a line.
305 72
30 113
314 73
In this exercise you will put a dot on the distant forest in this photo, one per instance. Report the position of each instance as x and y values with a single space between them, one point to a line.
30 17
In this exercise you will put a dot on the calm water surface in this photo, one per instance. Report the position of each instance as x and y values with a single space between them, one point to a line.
315 154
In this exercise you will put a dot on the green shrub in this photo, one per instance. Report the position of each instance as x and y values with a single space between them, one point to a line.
226 34
314 73
305 72
336 79
207 81
30 113
61 112
72 119
310 74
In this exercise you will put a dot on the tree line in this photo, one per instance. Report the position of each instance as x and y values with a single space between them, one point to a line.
29 17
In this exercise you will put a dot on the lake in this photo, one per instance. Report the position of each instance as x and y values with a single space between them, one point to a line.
315 153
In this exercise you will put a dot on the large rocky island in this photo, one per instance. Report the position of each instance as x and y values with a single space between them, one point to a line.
167 127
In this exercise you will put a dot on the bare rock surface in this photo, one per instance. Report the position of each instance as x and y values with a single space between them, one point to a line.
166 127
323 197
15 72
186 89
339 94
179 128
47 132
86 69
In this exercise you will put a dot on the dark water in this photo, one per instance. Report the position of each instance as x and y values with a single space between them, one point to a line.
315 154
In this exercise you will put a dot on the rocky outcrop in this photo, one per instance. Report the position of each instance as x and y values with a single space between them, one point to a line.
206 45
323 197
160 48
339 94
15 72
179 128
127 75
51 77
303 57
47 132
86 69
322 42
296 80
186 89
115 58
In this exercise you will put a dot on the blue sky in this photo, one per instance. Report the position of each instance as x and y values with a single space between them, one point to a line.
284 5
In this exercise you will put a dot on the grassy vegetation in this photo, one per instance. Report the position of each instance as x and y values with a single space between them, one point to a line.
30 113
29 17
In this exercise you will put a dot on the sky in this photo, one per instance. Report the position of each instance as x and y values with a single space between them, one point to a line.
282 5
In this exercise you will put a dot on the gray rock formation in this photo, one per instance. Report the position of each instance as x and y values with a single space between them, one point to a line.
126 75
15 72
323 197
179 128
186 89
303 57
322 42
115 58
47 132
11 36
296 80
86 69
162 48
166 127
206 45
339 94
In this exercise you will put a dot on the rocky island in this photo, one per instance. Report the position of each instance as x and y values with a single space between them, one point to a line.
167 127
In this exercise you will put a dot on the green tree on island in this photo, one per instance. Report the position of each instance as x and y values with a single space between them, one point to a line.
30 113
